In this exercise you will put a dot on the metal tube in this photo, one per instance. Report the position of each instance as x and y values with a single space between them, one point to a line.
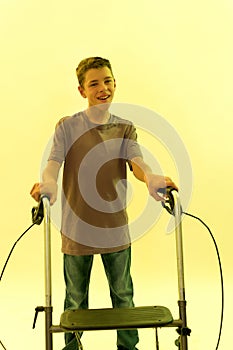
48 274
47 252
157 338
179 245
180 271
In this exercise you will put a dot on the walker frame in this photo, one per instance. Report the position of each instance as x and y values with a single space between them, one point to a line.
76 321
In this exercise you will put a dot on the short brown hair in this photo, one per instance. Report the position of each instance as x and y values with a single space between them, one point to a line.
90 63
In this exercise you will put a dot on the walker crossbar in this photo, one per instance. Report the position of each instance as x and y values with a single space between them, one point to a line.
76 321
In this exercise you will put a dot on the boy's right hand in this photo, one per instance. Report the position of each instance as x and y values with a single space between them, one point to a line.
47 188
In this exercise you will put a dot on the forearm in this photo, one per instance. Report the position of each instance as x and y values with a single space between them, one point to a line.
50 173
141 170
154 182
48 185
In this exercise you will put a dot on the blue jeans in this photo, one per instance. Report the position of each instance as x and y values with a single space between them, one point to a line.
77 271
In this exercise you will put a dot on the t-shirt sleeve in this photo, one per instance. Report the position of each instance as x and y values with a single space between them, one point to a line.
58 150
132 147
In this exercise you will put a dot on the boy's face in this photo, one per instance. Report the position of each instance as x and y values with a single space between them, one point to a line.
98 87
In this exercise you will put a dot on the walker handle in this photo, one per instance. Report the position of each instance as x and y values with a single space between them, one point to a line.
38 212
168 202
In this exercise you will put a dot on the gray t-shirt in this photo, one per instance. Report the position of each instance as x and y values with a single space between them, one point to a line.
94 217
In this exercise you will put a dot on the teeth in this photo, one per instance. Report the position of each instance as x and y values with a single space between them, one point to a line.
103 98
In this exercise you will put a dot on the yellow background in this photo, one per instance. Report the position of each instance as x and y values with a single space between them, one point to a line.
174 57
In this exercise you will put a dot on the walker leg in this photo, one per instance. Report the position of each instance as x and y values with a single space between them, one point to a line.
173 206
157 338
48 324
48 277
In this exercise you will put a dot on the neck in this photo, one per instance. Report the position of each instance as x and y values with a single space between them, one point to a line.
98 115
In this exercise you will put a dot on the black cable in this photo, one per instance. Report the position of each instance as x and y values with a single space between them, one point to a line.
2 345
14 247
37 218
221 273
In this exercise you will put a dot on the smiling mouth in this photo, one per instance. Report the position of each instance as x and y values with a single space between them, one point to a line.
103 98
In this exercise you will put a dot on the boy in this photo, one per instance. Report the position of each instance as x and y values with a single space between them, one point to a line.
96 144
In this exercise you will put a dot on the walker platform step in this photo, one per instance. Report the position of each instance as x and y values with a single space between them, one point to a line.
115 318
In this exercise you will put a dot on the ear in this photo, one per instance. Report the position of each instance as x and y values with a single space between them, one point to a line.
114 83
82 92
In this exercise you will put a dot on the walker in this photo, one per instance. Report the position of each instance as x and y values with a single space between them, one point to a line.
77 321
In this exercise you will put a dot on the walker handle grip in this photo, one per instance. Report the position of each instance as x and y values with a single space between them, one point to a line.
168 202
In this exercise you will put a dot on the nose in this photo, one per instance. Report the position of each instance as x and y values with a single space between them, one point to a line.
103 86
